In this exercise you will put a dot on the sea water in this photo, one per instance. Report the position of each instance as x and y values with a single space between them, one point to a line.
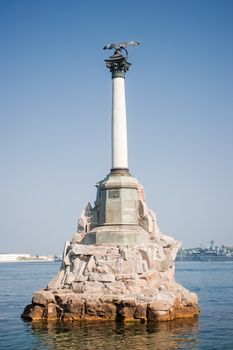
212 281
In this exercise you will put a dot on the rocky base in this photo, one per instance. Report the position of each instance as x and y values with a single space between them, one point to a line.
116 272
68 306
115 283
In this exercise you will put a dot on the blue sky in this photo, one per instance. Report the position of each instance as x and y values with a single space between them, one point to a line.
55 115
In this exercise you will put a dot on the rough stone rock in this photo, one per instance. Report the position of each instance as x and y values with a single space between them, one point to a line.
106 311
71 307
152 313
141 311
43 297
75 306
33 312
126 312
101 310
51 312
126 309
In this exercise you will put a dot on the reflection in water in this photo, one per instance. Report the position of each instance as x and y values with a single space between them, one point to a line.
179 334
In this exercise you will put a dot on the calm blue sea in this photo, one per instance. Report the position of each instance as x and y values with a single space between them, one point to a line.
213 281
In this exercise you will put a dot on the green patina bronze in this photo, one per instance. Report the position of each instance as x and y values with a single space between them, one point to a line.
118 74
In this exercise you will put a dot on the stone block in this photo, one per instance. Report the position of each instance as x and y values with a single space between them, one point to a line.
43 297
33 312
51 312
126 310
150 292
80 278
141 311
78 287
186 312
90 266
164 301
129 235
135 287
150 276
152 313
90 308
106 311
126 276
115 288
101 277
125 267
187 298
126 313
164 316
61 298
107 278
75 306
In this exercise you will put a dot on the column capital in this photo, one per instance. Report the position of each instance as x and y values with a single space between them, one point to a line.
117 64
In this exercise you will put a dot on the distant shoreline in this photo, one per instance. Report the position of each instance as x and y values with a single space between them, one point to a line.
28 261
25 257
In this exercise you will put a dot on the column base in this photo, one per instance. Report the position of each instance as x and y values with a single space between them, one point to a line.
120 171
129 235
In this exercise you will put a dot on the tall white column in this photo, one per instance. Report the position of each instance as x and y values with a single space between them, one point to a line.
119 124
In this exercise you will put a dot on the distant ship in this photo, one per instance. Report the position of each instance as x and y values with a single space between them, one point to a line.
212 253
205 255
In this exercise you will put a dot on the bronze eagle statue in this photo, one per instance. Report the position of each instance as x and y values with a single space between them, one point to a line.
119 46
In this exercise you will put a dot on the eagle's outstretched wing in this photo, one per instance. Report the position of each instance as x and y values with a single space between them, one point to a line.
110 46
121 45
125 44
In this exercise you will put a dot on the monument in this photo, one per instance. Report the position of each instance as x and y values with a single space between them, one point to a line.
118 265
